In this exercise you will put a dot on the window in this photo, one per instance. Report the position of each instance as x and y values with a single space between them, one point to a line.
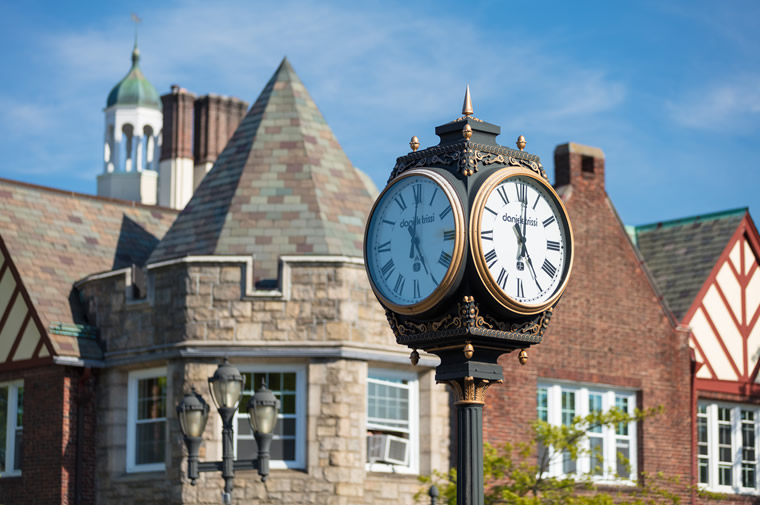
288 383
727 447
146 421
11 427
392 421
607 452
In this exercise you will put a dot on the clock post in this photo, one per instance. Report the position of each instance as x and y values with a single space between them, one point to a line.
469 249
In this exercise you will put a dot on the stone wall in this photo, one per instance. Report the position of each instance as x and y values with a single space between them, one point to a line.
325 311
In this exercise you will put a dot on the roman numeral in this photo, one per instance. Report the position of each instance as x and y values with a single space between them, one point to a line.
549 221
549 268
491 211
384 247
392 223
486 235
448 235
536 202
520 292
491 258
522 193
399 287
400 201
445 212
445 259
502 279
387 269
503 194
417 189
433 197
416 288
552 245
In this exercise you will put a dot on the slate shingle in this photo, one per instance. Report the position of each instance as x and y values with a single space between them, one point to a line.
282 175
682 253
56 238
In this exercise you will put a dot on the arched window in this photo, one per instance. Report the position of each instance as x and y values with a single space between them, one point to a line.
126 156
147 147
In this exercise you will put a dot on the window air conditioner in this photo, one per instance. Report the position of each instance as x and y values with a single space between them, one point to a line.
388 449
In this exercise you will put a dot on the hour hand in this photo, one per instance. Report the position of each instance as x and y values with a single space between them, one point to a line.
411 246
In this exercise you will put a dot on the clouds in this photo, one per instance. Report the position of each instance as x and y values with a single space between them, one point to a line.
733 104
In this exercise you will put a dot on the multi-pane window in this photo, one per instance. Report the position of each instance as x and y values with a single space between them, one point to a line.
607 452
146 413
287 382
11 427
392 421
727 438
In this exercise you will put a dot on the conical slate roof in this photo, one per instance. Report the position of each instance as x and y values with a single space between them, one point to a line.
282 186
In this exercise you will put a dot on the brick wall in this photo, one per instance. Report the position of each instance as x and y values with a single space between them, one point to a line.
608 329
54 397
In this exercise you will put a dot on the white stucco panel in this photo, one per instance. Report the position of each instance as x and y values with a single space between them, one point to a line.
703 372
28 344
714 354
752 294
725 326
12 326
731 290
736 256
7 285
749 258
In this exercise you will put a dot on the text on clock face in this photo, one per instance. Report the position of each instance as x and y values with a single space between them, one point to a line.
522 241
411 240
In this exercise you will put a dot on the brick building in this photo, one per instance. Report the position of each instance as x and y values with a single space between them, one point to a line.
108 307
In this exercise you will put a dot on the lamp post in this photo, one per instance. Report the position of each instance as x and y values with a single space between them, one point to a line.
226 386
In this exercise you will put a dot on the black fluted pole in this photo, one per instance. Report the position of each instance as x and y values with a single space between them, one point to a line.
470 453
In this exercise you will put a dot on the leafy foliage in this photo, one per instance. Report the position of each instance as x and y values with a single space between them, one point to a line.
518 474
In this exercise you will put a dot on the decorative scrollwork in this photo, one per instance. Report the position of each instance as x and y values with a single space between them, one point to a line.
535 326
467 156
469 312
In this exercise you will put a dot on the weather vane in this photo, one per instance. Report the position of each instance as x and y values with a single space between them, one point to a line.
136 20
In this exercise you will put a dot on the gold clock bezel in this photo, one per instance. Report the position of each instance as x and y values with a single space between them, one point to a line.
457 256
478 254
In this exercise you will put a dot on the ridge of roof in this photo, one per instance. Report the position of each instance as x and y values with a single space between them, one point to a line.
75 194
691 219
282 185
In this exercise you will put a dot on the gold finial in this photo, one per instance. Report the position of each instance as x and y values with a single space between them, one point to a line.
414 143
467 131
414 357
467 107
523 357
521 146
468 350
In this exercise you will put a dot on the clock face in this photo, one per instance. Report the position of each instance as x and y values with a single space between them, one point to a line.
521 240
414 242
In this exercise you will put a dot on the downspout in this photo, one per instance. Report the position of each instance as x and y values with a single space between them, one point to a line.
694 478
82 399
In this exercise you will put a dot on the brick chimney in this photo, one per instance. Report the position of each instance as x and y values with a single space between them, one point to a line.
579 166
216 118
175 180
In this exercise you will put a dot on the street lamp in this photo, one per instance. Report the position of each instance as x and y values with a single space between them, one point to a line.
226 386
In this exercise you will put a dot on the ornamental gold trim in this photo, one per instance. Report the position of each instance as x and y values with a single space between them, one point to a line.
471 390
477 252
468 317
457 256
466 155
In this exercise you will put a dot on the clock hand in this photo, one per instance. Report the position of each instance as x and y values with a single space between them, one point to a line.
416 243
411 245
533 271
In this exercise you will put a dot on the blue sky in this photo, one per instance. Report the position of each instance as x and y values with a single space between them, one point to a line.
669 90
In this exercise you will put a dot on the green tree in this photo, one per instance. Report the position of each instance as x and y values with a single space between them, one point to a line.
518 474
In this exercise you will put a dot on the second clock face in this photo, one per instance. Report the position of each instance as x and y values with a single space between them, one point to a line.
414 241
523 242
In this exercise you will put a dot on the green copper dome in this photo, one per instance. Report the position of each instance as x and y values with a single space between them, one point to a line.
134 89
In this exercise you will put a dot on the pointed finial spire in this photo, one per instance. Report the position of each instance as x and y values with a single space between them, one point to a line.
135 51
467 107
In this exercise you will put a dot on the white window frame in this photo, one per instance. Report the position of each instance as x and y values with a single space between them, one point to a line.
609 435
736 447
414 421
301 414
10 429
132 390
